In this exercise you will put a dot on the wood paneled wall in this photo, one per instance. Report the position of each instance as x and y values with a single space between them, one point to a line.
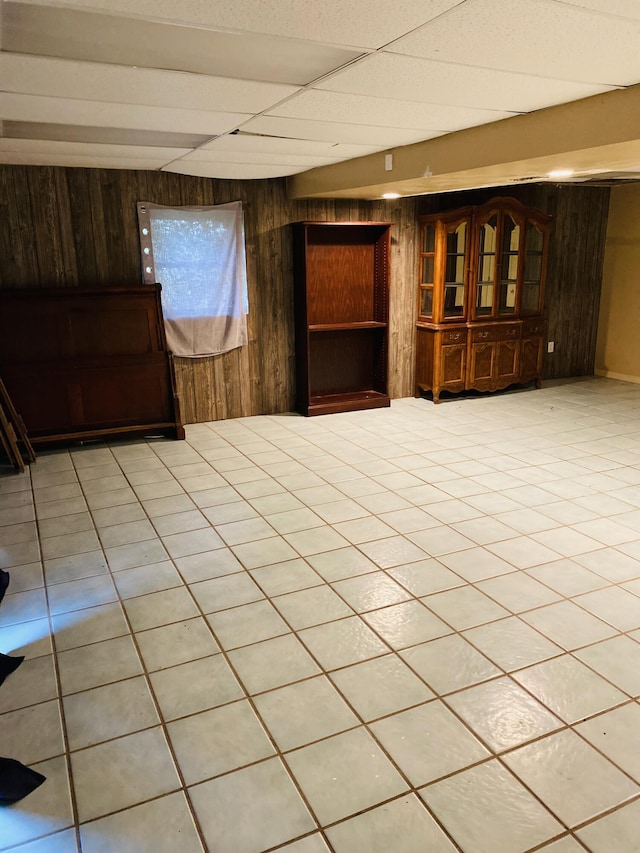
65 227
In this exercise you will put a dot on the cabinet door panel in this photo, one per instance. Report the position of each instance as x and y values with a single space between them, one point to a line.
531 358
507 360
452 364
424 360
482 361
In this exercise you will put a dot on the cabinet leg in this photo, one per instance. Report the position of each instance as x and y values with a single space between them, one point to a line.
538 383
436 397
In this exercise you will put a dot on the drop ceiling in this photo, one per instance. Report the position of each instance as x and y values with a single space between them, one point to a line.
251 89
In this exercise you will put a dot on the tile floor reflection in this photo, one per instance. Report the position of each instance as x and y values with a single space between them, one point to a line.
409 629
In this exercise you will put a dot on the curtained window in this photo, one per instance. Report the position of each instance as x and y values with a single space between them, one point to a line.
198 256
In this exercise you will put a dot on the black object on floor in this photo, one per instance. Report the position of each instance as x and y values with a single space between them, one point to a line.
4 582
8 665
16 781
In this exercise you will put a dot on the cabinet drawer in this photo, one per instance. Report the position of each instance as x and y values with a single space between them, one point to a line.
509 333
484 333
454 336
533 328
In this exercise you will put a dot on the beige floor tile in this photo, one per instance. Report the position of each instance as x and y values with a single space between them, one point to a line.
486 809
190 688
163 825
177 643
99 663
33 733
108 712
33 682
122 773
218 741
298 714
345 774
91 625
252 809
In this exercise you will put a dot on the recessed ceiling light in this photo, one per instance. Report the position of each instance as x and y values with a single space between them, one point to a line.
390 195
560 173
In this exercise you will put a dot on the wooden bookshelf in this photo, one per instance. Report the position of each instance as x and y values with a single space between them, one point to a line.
341 272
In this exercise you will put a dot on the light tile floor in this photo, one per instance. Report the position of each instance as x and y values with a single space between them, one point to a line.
410 629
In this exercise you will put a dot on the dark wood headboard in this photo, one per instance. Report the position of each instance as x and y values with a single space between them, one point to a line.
84 363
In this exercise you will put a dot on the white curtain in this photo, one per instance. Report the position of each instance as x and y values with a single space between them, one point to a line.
198 256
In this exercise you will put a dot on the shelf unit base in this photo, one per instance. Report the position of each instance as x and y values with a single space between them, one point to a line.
348 402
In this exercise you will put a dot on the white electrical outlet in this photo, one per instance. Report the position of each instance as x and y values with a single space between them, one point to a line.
550 346
388 162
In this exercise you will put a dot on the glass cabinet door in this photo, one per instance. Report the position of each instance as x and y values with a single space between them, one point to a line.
483 263
532 279
509 260
427 271
455 272
486 272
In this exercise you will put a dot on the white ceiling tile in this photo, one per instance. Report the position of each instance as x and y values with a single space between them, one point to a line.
360 109
102 135
94 81
624 8
237 171
537 37
351 134
438 66
257 144
206 155
90 36
485 94
96 114
18 158
88 149
367 24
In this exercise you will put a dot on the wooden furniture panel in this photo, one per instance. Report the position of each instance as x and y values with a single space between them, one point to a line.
452 366
501 247
507 362
82 364
341 277
532 350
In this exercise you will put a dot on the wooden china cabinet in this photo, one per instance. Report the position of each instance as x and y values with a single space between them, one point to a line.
480 298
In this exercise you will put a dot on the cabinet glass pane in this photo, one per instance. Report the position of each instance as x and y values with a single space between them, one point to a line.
530 297
453 300
427 270
507 303
535 238
457 239
533 255
510 235
487 247
429 239
426 302
454 271
487 251
533 267
486 268
509 266
484 299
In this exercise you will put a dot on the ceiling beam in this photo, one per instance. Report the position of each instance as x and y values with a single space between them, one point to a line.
600 133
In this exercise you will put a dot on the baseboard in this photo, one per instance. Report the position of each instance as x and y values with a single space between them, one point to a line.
610 374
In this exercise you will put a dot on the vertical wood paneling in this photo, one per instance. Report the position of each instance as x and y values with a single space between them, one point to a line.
67 244
68 227
46 225
81 224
